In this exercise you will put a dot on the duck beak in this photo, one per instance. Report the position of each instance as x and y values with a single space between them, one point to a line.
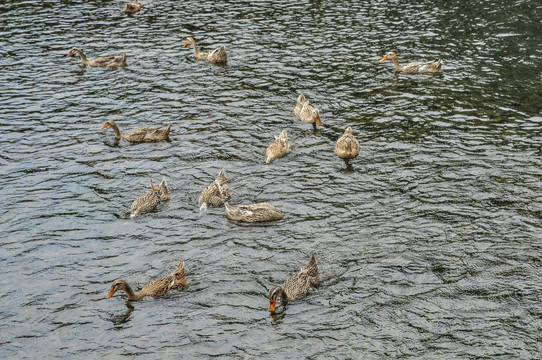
111 292
185 44
318 121
70 54
384 58
272 304
104 126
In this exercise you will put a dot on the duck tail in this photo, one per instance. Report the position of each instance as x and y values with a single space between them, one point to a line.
180 278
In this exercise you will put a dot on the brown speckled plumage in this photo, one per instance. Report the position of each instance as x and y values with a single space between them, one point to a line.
296 286
111 61
307 112
132 7
140 135
414 67
278 148
147 202
253 212
155 289
217 193
347 146
217 56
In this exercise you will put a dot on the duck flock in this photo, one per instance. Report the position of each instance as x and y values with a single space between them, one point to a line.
218 193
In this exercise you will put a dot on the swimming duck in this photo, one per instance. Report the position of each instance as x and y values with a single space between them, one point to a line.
253 213
307 112
415 67
132 7
140 135
155 289
279 148
295 286
215 194
347 146
103 61
147 202
217 56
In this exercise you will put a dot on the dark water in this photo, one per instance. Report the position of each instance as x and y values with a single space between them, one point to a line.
428 245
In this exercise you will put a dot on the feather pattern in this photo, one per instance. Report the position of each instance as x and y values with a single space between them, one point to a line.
156 288
147 202
217 193
347 146
296 286
253 212
278 148
414 67
111 61
140 135
217 56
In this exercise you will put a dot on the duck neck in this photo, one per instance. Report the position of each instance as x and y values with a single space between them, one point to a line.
83 57
116 130
131 294
396 64
196 51
282 295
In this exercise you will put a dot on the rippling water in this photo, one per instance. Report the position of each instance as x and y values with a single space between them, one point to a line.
428 244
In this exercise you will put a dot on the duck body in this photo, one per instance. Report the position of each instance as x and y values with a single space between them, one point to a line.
215 194
296 286
253 213
414 67
155 289
148 202
306 112
217 56
347 146
140 135
110 61
132 7
279 148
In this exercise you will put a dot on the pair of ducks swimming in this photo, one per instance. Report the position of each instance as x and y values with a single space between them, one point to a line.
293 288
217 56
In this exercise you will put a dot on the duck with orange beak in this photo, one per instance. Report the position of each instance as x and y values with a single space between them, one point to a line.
296 286
414 67
307 112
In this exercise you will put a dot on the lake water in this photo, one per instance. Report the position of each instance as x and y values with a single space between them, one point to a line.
428 244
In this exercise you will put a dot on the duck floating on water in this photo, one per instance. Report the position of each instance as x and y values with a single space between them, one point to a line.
414 67
253 213
132 7
215 194
296 286
139 135
148 202
347 146
307 112
155 289
217 56
278 148
111 61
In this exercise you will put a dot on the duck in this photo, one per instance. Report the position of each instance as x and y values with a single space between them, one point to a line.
215 194
253 212
155 289
279 148
132 7
307 112
111 61
217 56
296 286
414 67
147 202
139 135
347 146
